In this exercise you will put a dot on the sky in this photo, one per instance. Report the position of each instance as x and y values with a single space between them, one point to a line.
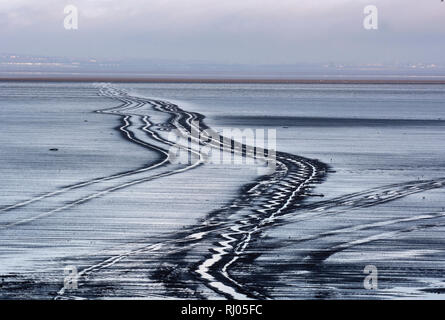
229 31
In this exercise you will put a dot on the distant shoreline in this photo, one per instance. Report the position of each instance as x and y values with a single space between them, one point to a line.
220 80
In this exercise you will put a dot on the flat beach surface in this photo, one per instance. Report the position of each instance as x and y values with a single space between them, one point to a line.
87 183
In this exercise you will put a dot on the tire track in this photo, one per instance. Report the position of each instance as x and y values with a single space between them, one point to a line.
272 200
125 104
128 104
319 256
296 172
191 238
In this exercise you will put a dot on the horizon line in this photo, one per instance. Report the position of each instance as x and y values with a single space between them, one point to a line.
221 80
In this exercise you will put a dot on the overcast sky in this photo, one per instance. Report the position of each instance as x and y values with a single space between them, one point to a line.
228 31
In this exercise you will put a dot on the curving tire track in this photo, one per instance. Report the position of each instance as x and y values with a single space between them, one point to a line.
274 199
122 180
272 195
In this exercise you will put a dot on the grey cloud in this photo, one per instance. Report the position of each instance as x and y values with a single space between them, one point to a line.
248 31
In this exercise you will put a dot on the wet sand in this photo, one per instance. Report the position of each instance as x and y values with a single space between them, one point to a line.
286 234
